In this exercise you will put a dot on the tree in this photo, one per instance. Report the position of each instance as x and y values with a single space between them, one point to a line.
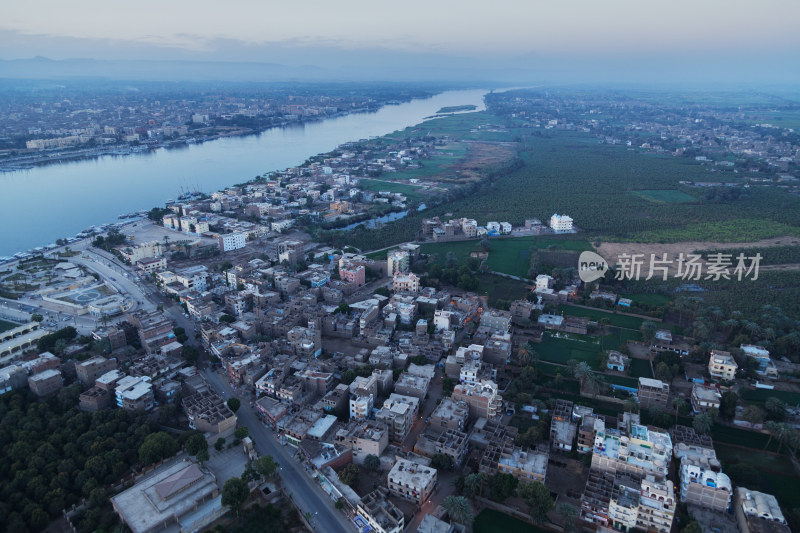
538 500
203 456
349 474
680 405
234 404
190 354
241 432
220 444
372 462
692 527
459 509
195 444
502 486
776 409
265 465
648 329
702 423
235 493
473 484
569 513
157 446
36 317
441 461
753 414
727 405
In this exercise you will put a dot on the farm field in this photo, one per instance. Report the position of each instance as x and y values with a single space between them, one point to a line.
640 368
621 321
669 196
509 255
560 350
491 521
770 474
761 395
500 291
411 191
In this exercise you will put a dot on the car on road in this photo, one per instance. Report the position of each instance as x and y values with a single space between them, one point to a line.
65 319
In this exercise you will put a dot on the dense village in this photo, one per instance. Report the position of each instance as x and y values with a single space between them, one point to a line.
410 406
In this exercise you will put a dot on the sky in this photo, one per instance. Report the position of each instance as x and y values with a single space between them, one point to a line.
687 36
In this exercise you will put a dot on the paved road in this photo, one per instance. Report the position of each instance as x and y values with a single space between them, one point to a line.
305 492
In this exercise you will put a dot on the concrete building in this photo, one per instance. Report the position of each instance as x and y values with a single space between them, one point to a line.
757 512
653 393
704 398
766 367
560 223
369 437
656 505
380 513
482 398
398 413
231 241
353 274
134 393
335 401
176 496
722 366
450 414
46 383
636 451
209 413
398 261
91 369
496 321
412 481
452 443
362 397
408 283
562 427
409 384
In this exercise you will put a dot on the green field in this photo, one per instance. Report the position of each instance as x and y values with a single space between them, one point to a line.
770 474
669 196
561 350
654 299
621 321
5 325
412 192
507 255
491 521
761 395
736 230
640 368
500 290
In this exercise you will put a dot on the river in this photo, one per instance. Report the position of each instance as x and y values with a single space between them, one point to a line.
40 205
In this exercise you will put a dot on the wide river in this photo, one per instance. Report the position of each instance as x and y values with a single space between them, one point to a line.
40 205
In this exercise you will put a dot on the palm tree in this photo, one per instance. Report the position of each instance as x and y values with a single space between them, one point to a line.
702 424
581 372
459 509
679 404
772 428
474 484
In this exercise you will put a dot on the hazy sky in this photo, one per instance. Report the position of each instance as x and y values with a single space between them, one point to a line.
487 30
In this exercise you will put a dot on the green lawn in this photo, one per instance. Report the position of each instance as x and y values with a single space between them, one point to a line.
5 326
621 321
669 196
491 521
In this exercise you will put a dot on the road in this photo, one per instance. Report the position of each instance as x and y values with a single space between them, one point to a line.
305 492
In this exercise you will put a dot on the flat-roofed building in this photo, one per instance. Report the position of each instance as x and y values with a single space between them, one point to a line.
705 398
380 513
765 365
369 437
208 412
562 427
722 365
653 393
398 413
482 398
176 496
412 481
46 383
134 393
91 369
450 414
409 384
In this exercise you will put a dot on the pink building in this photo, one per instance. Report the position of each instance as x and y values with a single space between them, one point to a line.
354 274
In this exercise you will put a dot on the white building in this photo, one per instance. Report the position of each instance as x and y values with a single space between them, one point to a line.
231 241
412 481
561 223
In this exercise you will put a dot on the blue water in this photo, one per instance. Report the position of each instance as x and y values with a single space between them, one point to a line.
40 205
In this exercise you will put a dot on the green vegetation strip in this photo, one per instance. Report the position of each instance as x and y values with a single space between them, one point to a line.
491 521
5 325
669 196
